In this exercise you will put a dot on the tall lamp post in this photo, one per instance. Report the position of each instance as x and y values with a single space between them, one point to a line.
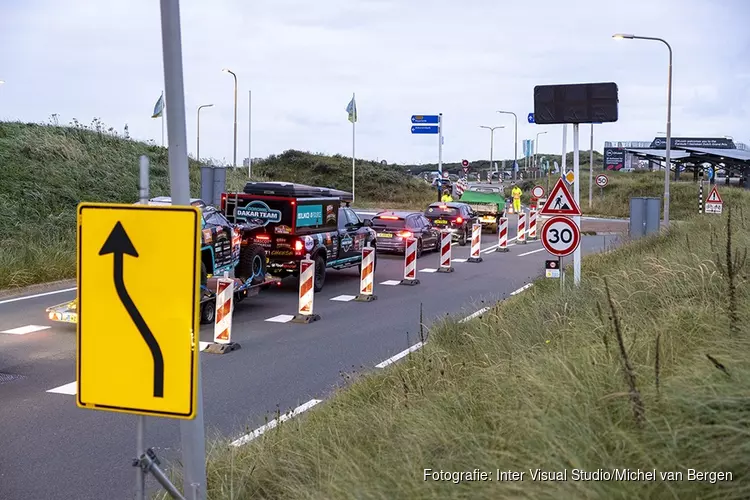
225 70
536 148
198 139
621 36
515 141
492 143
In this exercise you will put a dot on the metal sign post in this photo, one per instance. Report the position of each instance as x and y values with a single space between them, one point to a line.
440 149
192 432
577 197
140 475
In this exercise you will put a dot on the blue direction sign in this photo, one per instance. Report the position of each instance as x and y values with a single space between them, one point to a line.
424 129
425 119
531 117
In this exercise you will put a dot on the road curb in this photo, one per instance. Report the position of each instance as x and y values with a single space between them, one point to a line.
31 289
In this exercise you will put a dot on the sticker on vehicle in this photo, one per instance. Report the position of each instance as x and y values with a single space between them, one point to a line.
282 229
330 215
309 215
257 212
346 243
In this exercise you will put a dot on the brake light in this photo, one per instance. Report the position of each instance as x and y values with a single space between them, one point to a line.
459 220
443 206
389 217
263 237
405 234
298 245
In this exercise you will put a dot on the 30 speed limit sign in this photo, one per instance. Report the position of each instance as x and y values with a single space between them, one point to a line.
602 180
561 236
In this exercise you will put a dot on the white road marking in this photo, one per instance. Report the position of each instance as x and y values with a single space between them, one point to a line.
68 389
474 315
27 297
344 298
428 270
491 248
459 260
281 318
203 345
526 286
400 355
23 330
391 282
273 423
533 251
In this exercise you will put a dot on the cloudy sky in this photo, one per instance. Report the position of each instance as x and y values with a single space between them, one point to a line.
303 59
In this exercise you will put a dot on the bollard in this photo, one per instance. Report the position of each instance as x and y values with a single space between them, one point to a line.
476 243
502 235
306 292
224 306
445 252
367 275
532 224
521 234
410 263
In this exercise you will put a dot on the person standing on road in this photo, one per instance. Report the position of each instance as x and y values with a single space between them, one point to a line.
516 193
446 195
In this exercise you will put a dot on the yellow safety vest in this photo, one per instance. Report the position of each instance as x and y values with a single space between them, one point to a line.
516 193
447 197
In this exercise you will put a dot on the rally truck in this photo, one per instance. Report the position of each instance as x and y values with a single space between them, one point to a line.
488 206
291 221
221 251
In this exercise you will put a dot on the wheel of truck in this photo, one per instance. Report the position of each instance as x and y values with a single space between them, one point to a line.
320 273
464 237
208 312
252 264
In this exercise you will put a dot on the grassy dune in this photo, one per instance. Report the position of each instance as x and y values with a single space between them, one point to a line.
645 366
47 170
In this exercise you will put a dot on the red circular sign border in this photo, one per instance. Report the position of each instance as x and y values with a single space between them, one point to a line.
572 225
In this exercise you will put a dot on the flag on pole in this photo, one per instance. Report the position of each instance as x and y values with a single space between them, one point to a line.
159 108
351 108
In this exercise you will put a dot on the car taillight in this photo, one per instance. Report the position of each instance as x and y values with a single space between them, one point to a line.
405 234
388 217
459 220
263 237
298 245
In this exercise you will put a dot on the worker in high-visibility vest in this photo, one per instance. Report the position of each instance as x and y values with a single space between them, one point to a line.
516 193
446 195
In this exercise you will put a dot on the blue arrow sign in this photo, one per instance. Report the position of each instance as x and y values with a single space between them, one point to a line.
424 129
531 117
425 119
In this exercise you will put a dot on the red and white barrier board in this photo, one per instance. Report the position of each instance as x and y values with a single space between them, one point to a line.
367 276
521 235
305 312
502 235
533 215
476 243
224 307
446 239
410 263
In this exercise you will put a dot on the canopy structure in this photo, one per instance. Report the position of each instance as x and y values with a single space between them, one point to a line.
659 154
738 156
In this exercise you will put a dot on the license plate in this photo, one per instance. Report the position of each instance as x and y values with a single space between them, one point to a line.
488 219
385 235
441 221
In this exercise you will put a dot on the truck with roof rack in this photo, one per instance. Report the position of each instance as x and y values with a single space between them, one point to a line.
290 221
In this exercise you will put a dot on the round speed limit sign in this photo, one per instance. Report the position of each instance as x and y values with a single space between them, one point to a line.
602 180
561 236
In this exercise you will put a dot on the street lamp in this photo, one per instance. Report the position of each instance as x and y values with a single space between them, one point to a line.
515 143
225 70
536 147
621 36
198 140
492 143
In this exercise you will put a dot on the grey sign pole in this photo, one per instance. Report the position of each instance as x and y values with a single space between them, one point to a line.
192 432
140 475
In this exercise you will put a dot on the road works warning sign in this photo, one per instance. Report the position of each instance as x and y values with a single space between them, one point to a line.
714 203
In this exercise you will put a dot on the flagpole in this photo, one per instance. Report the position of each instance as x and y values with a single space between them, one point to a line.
163 110
354 123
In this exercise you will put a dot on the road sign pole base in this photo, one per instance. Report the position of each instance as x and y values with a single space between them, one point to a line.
409 282
305 318
445 269
474 259
365 298
215 348
502 249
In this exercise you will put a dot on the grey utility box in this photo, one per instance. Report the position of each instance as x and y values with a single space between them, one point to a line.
644 217
213 183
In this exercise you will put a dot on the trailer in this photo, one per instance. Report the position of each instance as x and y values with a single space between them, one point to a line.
67 312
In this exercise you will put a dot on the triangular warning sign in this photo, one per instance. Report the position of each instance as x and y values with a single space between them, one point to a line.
714 197
560 202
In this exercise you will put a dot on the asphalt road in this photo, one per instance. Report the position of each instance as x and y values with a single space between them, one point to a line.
52 449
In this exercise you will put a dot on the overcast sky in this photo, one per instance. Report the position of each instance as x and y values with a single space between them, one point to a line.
303 59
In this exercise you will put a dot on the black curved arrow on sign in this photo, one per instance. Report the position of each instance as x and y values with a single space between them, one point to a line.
119 244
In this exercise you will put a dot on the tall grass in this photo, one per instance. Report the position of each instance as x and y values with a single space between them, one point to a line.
644 366
47 170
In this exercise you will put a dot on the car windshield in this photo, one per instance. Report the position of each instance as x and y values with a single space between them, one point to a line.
388 222
441 211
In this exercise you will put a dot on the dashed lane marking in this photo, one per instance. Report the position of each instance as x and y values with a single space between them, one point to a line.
525 287
428 270
27 297
474 314
344 298
273 423
68 389
390 282
281 318
23 330
400 355
533 251
459 260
